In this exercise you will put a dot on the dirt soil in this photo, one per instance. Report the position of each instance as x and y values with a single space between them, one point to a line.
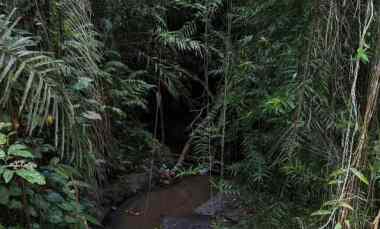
148 210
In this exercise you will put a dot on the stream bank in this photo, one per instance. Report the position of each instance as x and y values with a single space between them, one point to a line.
146 211
184 205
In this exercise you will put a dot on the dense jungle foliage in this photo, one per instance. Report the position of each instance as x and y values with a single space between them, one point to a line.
280 95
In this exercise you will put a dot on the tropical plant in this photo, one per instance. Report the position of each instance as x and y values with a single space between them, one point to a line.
42 194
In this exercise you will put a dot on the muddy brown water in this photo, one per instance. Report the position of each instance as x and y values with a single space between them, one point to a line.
147 211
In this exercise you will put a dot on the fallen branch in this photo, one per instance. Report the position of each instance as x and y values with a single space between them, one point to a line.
183 154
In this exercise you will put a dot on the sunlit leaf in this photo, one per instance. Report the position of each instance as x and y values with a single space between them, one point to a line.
362 55
92 220
92 115
338 226
8 175
360 175
321 213
5 126
32 176
20 150
3 139
346 205
2 154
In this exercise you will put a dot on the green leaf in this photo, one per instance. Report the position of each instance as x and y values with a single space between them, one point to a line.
362 55
35 226
2 154
71 220
55 197
92 220
68 170
5 126
8 175
41 203
67 206
321 212
83 83
20 150
3 139
32 176
334 182
14 190
92 115
46 148
338 226
15 204
337 173
55 216
346 205
360 175
4 195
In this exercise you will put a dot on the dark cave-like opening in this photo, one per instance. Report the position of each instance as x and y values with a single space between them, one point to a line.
175 119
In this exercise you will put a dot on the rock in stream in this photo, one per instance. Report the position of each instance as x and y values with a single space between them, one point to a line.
187 222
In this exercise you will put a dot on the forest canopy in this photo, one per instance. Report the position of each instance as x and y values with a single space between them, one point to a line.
280 96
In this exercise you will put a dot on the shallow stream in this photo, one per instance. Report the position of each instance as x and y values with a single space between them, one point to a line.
177 201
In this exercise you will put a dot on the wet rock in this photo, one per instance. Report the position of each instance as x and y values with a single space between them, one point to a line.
125 187
188 222
212 207
137 182
224 206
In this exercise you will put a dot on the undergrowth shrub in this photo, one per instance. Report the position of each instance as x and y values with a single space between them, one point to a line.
36 190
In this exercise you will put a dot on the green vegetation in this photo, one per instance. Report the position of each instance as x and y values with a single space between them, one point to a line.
280 95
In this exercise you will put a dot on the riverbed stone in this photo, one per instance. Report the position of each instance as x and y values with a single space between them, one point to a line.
186 222
224 206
